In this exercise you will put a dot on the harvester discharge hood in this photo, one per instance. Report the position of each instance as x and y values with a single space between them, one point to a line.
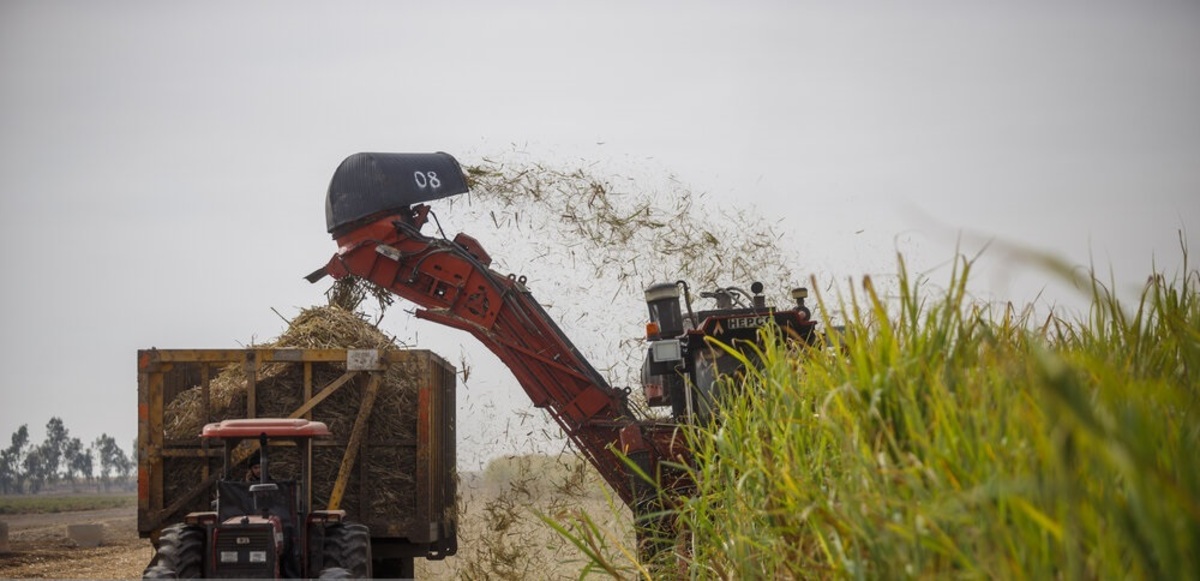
368 185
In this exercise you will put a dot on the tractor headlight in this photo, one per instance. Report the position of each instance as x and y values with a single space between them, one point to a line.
666 351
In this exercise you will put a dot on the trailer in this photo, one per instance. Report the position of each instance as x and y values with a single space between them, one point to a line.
389 466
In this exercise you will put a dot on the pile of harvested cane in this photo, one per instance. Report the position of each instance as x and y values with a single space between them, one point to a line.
389 459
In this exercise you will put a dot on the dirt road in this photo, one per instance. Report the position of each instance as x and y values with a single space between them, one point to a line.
39 547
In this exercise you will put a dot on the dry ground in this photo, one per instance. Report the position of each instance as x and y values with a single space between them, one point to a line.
499 538
39 547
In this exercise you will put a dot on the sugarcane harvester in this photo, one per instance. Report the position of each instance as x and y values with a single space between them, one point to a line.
375 209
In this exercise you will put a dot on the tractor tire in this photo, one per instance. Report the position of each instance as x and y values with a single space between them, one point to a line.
348 546
334 573
158 572
180 554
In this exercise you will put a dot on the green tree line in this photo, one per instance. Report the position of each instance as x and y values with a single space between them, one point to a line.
29 468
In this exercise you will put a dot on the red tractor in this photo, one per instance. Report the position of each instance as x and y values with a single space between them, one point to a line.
263 528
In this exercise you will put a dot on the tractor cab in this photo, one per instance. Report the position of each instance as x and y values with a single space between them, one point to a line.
263 527
263 496
685 367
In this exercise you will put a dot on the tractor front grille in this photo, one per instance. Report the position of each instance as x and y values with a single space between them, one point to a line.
245 551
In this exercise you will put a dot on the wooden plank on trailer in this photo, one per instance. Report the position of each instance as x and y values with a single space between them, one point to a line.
206 407
425 469
251 366
308 450
203 452
163 356
204 486
324 393
143 444
308 391
269 355
154 445
356 437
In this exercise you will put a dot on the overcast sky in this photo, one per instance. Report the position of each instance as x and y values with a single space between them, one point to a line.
163 165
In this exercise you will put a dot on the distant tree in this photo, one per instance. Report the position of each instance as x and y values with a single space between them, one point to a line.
14 458
125 466
131 468
53 448
8 472
112 458
20 439
71 451
35 469
84 464
27 468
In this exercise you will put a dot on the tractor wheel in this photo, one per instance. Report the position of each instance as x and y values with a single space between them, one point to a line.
180 554
158 572
348 546
335 573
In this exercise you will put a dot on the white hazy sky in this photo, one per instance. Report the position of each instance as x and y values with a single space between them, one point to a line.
163 164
